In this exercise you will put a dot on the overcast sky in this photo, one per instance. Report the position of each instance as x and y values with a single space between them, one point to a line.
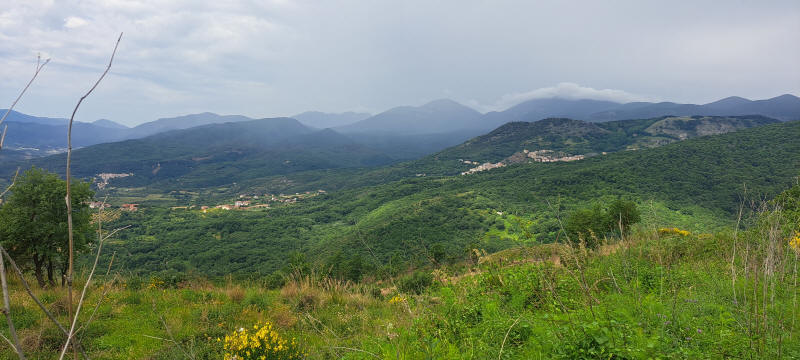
274 58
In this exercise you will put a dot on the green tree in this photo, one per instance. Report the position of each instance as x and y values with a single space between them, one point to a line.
33 222
587 224
621 214
594 223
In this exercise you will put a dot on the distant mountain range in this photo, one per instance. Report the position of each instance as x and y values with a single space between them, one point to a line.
436 117
217 154
321 120
784 107
406 131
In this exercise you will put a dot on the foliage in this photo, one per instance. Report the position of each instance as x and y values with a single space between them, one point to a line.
648 297
389 228
33 222
590 225
416 283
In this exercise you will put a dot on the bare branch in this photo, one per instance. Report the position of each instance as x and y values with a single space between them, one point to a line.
14 181
39 67
13 348
68 199
3 137
36 299
114 232
106 288
86 286
6 302
506 337
169 333
7 312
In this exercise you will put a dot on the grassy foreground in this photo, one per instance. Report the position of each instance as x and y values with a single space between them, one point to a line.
654 294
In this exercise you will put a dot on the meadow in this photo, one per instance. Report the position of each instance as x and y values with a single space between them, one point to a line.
654 293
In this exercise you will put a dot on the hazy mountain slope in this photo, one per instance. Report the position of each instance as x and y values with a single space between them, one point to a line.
323 120
436 117
25 118
785 107
40 136
217 154
54 137
538 109
181 122
109 124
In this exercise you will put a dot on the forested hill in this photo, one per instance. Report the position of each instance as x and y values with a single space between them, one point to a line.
568 136
581 137
695 184
218 154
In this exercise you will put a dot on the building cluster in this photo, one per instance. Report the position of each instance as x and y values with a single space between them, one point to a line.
102 205
105 177
255 201
482 167
551 156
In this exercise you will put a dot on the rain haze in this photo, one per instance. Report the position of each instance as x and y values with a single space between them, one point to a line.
279 58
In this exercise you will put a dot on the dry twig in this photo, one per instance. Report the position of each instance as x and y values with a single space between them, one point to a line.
68 199
15 346
36 299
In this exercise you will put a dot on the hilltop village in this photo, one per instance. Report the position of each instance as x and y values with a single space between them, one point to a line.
243 202
544 156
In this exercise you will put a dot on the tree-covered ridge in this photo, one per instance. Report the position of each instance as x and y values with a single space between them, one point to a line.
581 137
218 154
412 219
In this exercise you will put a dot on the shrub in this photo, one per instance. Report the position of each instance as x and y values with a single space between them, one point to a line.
134 283
415 283
275 280
592 224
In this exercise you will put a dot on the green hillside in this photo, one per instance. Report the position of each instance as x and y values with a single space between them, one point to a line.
581 137
507 144
217 154
387 227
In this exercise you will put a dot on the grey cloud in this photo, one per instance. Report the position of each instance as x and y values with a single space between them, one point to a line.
268 58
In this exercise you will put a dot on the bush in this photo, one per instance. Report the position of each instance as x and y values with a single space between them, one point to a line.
594 223
415 283
275 280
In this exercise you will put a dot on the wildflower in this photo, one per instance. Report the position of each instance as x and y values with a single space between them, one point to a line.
397 299
673 231
155 283
263 342
794 242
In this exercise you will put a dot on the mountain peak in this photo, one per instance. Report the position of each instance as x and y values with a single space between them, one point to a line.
442 102
729 101
435 117
109 124
323 120
786 97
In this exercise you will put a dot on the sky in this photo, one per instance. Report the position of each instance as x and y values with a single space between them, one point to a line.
281 57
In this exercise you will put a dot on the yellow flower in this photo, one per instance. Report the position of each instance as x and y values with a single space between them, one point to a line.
794 242
673 231
397 299
259 344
